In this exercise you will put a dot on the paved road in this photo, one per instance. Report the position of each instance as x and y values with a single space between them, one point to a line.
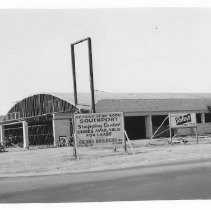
186 180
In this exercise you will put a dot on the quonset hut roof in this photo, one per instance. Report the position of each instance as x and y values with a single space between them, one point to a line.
44 103
38 105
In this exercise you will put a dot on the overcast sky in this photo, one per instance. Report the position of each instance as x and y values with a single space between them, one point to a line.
134 50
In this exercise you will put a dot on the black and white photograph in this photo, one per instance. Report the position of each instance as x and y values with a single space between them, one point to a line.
105 104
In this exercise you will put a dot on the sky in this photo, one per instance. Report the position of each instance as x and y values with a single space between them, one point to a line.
134 50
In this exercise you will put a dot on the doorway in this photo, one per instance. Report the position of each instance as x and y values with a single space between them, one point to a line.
135 127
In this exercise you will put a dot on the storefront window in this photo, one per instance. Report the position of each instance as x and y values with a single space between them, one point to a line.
207 117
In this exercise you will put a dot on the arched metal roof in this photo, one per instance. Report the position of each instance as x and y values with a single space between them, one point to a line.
40 104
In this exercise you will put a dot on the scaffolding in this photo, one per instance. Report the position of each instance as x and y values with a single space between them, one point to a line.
40 133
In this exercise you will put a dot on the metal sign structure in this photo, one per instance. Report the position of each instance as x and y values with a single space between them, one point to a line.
90 71
99 129
182 121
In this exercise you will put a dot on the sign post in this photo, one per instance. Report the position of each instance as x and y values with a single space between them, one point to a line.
75 148
129 143
125 140
197 138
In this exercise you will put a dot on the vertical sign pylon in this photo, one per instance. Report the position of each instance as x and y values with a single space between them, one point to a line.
74 74
90 71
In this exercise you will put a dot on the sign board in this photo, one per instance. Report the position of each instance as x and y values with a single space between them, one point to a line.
99 129
62 141
182 120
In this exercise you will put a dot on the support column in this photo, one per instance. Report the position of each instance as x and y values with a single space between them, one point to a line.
55 140
148 126
25 135
202 118
2 135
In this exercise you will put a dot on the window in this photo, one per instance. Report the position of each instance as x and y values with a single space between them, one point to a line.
198 117
207 117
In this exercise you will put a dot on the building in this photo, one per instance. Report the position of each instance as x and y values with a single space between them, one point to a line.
47 118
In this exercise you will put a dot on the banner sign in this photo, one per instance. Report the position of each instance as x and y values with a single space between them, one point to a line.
181 120
99 128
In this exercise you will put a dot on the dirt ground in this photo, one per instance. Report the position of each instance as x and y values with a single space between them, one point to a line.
19 162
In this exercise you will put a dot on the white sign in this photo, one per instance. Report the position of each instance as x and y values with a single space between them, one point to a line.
99 128
181 120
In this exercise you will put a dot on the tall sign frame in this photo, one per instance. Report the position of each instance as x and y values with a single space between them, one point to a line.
88 39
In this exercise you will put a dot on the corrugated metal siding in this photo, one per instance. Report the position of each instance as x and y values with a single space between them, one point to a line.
40 104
